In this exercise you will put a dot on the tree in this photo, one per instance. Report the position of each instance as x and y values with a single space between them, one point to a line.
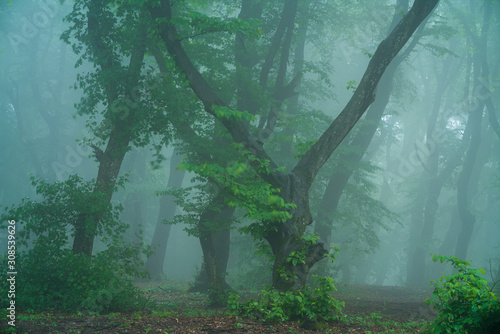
286 237
433 179
122 100
477 105
154 263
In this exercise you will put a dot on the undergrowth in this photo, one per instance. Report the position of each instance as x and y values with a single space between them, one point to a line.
305 304
465 303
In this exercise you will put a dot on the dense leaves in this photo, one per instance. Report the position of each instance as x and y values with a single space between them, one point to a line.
464 301
52 276
304 304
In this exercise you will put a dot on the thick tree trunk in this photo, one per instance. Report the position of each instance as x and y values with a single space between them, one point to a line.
154 263
285 240
216 244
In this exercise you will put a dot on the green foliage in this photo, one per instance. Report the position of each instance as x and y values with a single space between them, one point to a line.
203 24
464 301
243 189
303 147
271 305
52 219
231 114
352 85
52 276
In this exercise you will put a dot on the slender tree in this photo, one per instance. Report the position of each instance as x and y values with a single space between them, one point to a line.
154 263
118 129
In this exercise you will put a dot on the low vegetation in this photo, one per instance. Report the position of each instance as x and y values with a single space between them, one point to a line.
461 303
315 305
465 302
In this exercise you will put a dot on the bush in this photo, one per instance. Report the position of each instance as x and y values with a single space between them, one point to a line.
50 276
464 302
304 304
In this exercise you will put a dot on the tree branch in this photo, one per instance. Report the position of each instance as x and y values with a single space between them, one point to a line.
287 15
318 154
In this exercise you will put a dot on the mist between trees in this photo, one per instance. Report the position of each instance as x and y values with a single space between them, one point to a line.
242 143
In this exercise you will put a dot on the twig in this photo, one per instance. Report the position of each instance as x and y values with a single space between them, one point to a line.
492 279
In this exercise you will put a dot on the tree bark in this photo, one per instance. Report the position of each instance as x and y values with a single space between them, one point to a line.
132 212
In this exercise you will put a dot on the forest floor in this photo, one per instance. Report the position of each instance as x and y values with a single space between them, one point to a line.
368 309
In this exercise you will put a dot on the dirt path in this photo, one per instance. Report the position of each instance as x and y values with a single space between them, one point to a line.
396 303
373 309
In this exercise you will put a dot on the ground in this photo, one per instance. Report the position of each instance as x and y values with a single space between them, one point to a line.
368 309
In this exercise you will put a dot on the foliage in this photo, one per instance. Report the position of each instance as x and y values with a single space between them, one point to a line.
464 301
271 305
52 219
243 189
234 115
52 276
203 24
56 279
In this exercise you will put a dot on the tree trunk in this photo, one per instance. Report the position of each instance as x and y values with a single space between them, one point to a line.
132 207
415 264
154 263
286 238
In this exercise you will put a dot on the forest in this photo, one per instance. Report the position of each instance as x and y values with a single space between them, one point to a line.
249 166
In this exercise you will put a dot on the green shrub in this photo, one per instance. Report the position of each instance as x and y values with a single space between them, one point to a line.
464 302
49 275
304 304
51 278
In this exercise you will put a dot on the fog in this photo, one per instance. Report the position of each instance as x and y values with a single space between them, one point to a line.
417 175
